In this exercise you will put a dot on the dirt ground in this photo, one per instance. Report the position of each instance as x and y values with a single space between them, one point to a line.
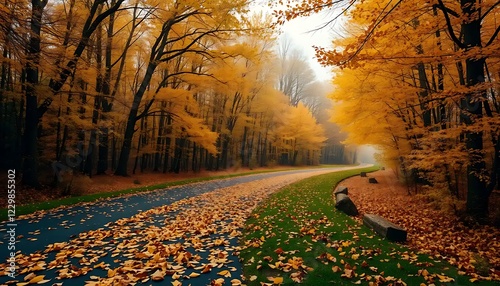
472 249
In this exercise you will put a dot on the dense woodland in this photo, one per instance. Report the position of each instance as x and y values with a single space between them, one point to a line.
420 79
102 87
96 87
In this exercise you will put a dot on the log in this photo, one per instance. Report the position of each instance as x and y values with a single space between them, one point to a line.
385 228
343 203
340 190
363 174
372 181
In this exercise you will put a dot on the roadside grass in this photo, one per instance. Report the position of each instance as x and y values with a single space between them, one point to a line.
72 200
297 236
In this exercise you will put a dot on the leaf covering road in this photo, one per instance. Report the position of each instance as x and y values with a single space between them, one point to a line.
191 241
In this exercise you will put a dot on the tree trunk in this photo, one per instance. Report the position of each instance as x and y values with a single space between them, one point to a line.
477 196
89 161
243 150
103 153
30 162
159 141
121 169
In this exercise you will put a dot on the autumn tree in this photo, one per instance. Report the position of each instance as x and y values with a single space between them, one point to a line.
92 86
34 110
441 89
207 20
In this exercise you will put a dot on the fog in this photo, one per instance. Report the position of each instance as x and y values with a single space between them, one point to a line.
366 154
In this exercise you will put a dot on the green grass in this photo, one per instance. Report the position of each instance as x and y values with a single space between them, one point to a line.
283 221
67 201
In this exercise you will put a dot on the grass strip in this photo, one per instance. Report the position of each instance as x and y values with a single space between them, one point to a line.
67 201
297 236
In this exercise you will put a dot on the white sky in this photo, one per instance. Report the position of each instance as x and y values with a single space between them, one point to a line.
301 32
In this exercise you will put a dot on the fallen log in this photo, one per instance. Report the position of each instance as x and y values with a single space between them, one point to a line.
385 228
343 203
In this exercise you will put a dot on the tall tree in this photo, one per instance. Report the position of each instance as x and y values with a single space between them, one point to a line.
472 34
34 112
30 175
207 20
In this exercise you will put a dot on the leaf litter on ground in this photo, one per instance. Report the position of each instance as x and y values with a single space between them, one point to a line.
473 250
193 238
298 235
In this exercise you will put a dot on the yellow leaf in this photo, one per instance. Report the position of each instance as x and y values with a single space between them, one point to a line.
253 278
276 280
194 275
158 275
176 276
235 282
224 273
29 276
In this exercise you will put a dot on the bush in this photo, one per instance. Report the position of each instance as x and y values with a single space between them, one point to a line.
76 185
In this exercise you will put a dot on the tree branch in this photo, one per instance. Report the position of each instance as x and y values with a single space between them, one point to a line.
493 37
449 25
446 9
379 20
489 10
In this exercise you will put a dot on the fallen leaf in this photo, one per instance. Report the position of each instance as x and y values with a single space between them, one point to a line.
224 273
276 280
158 275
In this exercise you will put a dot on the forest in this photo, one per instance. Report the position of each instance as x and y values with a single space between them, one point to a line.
118 87
420 80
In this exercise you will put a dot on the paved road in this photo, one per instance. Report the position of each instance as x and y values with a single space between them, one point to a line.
77 225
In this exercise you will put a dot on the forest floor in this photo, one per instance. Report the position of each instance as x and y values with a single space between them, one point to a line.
472 249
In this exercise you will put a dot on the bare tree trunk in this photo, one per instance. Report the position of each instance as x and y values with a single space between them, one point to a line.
477 195
121 169
30 156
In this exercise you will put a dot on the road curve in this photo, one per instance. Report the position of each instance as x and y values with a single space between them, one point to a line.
92 236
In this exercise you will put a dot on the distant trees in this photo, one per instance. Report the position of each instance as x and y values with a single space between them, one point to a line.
94 87
295 74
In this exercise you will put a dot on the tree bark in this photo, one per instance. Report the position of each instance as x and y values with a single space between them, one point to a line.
121 169
477 197
30 156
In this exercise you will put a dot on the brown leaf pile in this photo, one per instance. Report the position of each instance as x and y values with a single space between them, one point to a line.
474 251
